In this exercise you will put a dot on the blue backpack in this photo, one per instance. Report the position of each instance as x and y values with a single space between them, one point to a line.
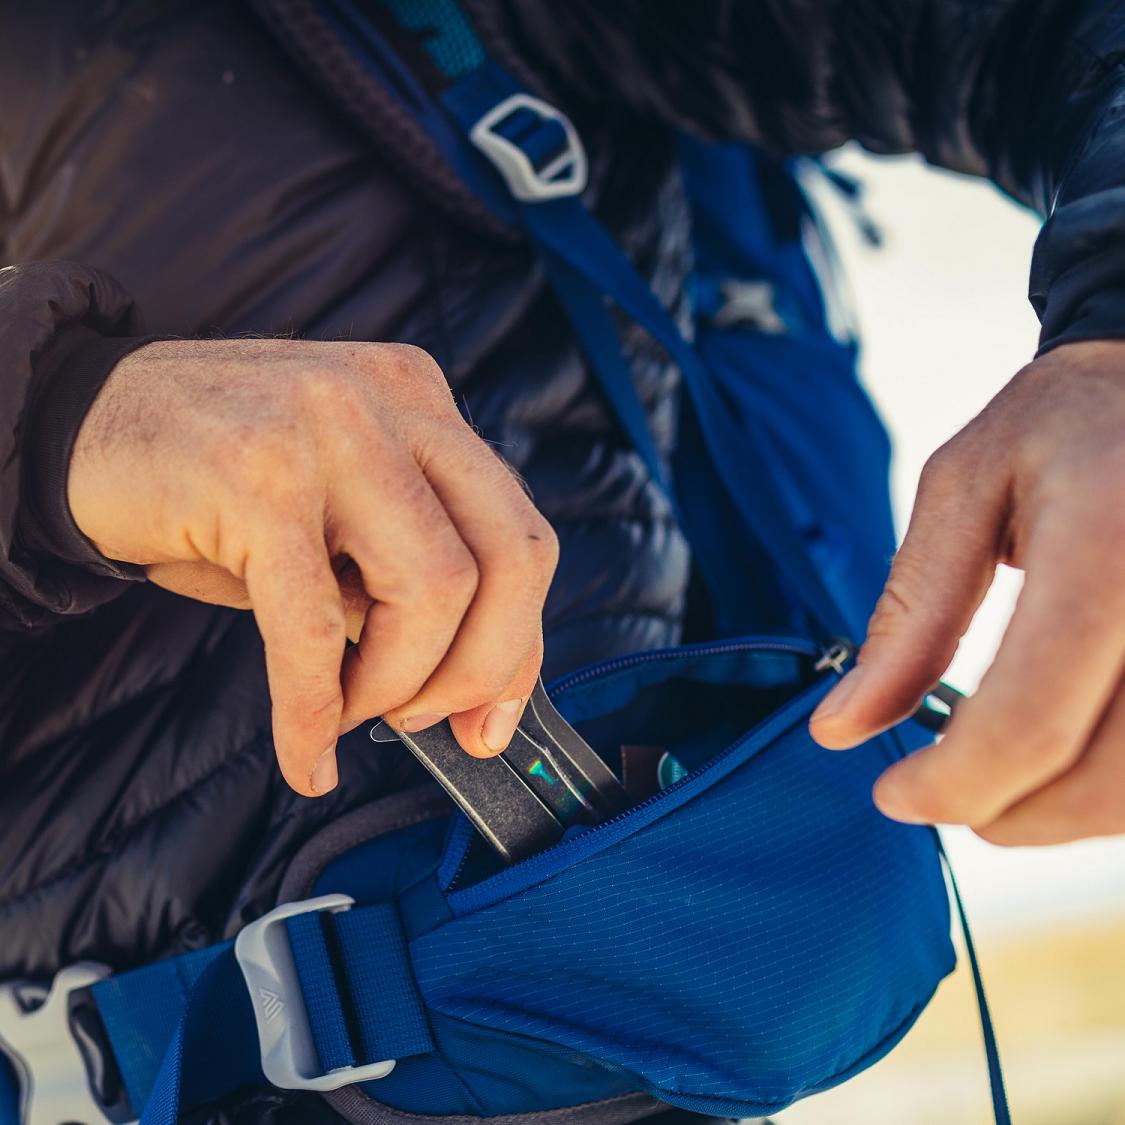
753 933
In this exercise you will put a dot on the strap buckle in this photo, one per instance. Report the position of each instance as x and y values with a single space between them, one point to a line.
534 147
35 1033
289 1055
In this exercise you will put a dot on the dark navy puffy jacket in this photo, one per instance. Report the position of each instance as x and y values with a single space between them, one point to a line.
215 168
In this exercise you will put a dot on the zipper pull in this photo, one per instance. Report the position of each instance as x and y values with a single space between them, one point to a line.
835 656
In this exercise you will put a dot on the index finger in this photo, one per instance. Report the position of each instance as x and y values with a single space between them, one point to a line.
1052 679
297 604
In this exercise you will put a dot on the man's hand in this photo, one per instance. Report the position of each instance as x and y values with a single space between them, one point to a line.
332 489
1037 756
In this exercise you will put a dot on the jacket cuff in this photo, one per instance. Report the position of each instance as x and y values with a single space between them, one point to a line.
1077 284
69 373
1087 302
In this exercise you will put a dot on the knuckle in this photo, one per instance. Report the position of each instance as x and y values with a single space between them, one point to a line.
419 363
326 629
525 555
895 602
542 544
310 709
328 391
449 578
322 706
404 363
262 461
476 686
942 468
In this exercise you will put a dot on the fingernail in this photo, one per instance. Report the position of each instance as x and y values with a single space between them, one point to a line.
324 776
500 724
420 722
836 700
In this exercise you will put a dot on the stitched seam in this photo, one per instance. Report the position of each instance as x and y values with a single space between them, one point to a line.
112 846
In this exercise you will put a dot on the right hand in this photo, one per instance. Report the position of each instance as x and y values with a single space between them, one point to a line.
334 489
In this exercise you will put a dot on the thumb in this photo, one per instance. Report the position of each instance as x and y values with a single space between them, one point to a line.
938 579
486 731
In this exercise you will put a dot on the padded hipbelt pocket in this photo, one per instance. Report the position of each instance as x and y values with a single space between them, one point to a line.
752 932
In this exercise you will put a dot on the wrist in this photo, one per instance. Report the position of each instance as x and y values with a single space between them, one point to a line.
70 372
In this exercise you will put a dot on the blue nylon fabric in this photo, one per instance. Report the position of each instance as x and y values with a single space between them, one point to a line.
209 1044
141 1010
586 306
734 949
756 662
9 1093
747 593
827 447
710 510
481 1072
322 995
592 842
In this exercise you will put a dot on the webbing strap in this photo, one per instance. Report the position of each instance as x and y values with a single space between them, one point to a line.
183 1030
991 1048
388 1010
141 1011
323 1003
586 266
184 1077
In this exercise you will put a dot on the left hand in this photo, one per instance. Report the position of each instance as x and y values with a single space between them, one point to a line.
1036 480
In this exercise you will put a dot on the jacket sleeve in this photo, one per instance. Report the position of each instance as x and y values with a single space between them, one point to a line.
63 327
1030 93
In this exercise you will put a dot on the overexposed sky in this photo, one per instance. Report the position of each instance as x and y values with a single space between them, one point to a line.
946 322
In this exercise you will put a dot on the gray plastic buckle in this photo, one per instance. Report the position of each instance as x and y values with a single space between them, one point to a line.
563 176
54 1084
289 1058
